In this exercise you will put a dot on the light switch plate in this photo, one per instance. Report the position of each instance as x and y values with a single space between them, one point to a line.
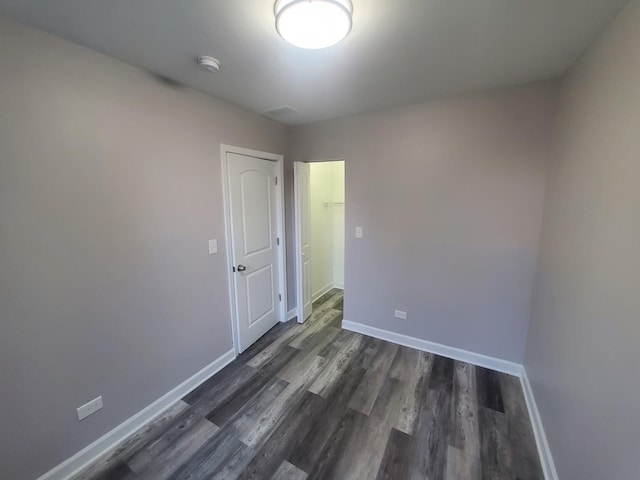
213 246
359 233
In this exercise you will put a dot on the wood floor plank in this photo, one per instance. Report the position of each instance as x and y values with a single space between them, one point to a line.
526 460
463 455
272 349
370 350
334 450
114 458
489 391
336 366
221 413
276 448
234 465
417 379
384 415
306 452
288 472
364 446
339 305
318 302
219 382
220 391
395 460
209 457
163 458
292 393
156 449
263 342
316 325
319 342
332 349
226 442
320 308
254 412
441 374
291 371
118 471
331 299
429 456
367 393
494 439
404 363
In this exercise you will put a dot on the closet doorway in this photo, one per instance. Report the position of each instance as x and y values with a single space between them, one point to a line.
319 191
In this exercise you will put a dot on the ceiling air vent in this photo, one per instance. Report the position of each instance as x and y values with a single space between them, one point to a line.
279 112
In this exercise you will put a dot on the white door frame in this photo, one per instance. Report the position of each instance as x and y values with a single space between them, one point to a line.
298 244
297 230
282 249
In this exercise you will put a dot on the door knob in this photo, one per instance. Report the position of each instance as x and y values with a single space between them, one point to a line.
241 268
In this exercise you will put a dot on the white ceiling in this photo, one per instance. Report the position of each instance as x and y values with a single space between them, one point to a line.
399 51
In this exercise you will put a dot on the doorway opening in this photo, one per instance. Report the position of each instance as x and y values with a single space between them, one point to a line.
320 232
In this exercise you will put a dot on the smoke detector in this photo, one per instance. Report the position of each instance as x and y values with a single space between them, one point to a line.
210 64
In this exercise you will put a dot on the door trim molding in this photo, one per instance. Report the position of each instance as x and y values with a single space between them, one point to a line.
297 235
282 248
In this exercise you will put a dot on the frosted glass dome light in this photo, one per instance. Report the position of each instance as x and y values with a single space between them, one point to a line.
313 24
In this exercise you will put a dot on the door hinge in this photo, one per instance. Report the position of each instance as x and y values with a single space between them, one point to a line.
276 180
278 240
280 296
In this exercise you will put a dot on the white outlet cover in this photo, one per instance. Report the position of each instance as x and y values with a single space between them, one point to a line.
89 408
213 246
400 314
359 232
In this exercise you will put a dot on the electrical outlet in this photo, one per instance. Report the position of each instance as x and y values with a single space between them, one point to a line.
89 408
359 233
400 314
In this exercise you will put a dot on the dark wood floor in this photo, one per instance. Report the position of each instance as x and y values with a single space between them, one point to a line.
314 401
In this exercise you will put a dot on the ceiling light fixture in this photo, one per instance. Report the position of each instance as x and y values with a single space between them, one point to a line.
313 24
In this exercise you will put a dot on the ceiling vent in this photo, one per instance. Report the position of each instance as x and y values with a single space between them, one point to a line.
279 112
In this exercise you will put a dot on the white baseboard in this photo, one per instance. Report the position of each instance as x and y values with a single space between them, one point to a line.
321 292
546 459
492 363
339 286
90 453
293 313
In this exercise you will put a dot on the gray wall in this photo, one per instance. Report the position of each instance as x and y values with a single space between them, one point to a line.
450 196
582 351
109 190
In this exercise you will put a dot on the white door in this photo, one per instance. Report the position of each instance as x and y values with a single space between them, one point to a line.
302 180
254 229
